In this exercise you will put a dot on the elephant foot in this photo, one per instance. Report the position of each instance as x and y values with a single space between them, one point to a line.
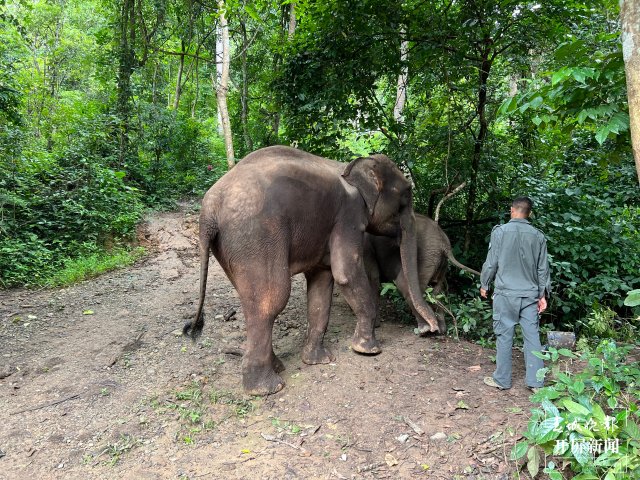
317 355
365 346
255 383
422 330
425 330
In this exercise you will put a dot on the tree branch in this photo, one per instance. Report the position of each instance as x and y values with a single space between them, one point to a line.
436 215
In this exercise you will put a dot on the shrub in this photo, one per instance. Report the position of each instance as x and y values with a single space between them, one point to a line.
587 421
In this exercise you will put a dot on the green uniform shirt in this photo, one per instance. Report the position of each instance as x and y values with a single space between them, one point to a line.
517 260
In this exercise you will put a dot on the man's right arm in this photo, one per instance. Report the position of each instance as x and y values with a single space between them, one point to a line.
544 277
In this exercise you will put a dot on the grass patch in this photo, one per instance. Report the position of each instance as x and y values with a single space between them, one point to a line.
79 269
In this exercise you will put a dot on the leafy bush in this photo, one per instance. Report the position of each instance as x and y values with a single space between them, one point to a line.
592 222
391 292
587 421
60 206
475 318
177 156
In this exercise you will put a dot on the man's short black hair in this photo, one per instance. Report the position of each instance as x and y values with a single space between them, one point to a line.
523 204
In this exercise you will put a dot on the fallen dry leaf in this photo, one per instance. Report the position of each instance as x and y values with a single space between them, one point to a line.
390 460
474 368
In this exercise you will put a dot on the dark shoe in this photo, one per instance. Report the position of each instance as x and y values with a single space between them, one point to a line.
492 383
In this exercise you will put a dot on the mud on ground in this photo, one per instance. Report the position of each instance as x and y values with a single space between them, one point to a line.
96 383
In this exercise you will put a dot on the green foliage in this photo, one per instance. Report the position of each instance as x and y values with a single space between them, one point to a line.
90 265
587 420
588 90
91 131
177 156
475 317
592 222
61 209
65 195
390 291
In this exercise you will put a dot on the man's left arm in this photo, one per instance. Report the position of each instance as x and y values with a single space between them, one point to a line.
490 266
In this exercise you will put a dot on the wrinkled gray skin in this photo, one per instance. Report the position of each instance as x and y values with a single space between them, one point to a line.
280 212
382 259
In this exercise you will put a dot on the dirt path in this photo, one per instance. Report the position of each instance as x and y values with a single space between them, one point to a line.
95 382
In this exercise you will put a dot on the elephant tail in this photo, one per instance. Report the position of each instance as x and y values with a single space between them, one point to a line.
453 260
208 233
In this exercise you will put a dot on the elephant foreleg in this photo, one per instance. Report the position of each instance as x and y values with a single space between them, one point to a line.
349 272
319 293
373 274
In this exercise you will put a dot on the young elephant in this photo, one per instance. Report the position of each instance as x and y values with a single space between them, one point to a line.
383 262
280 212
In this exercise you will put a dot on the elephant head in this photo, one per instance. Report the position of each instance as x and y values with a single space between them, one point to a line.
387 195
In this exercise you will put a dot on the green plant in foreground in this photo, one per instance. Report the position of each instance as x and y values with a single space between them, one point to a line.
241 406
122 446
587 421
85 267
475 317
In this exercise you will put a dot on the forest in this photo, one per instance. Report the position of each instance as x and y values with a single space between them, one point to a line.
113 109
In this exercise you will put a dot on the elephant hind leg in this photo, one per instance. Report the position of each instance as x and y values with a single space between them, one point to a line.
319 296
264 294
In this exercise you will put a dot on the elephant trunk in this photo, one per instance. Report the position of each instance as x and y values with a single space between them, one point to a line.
409 258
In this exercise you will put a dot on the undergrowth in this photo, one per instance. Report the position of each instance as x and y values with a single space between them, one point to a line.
79 269
586 424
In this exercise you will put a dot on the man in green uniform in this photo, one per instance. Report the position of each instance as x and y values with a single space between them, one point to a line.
517 261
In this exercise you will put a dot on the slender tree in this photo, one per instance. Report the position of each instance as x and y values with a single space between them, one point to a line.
222 83
630 19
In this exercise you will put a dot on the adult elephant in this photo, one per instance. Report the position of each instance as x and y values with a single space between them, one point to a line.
384 264
282 211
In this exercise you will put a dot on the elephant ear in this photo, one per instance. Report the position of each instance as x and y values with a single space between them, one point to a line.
364 174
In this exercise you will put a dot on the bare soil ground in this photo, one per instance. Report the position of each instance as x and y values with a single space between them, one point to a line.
95 382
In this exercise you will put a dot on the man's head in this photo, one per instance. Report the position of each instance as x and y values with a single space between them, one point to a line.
521 207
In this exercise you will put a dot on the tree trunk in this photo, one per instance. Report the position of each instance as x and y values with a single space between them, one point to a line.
292 20
197 92
485 67
176 100
244 98
287 17
403 78
126 58
630 20
222 86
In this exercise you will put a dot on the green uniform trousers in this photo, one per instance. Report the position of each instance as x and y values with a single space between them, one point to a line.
507 313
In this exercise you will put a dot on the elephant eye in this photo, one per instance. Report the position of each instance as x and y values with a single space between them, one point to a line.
405 198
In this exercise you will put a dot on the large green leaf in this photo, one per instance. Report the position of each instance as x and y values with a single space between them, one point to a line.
580 451
633 298
533 461
550 408
603 133
632 430
549 429
568 50
576 408
518 451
